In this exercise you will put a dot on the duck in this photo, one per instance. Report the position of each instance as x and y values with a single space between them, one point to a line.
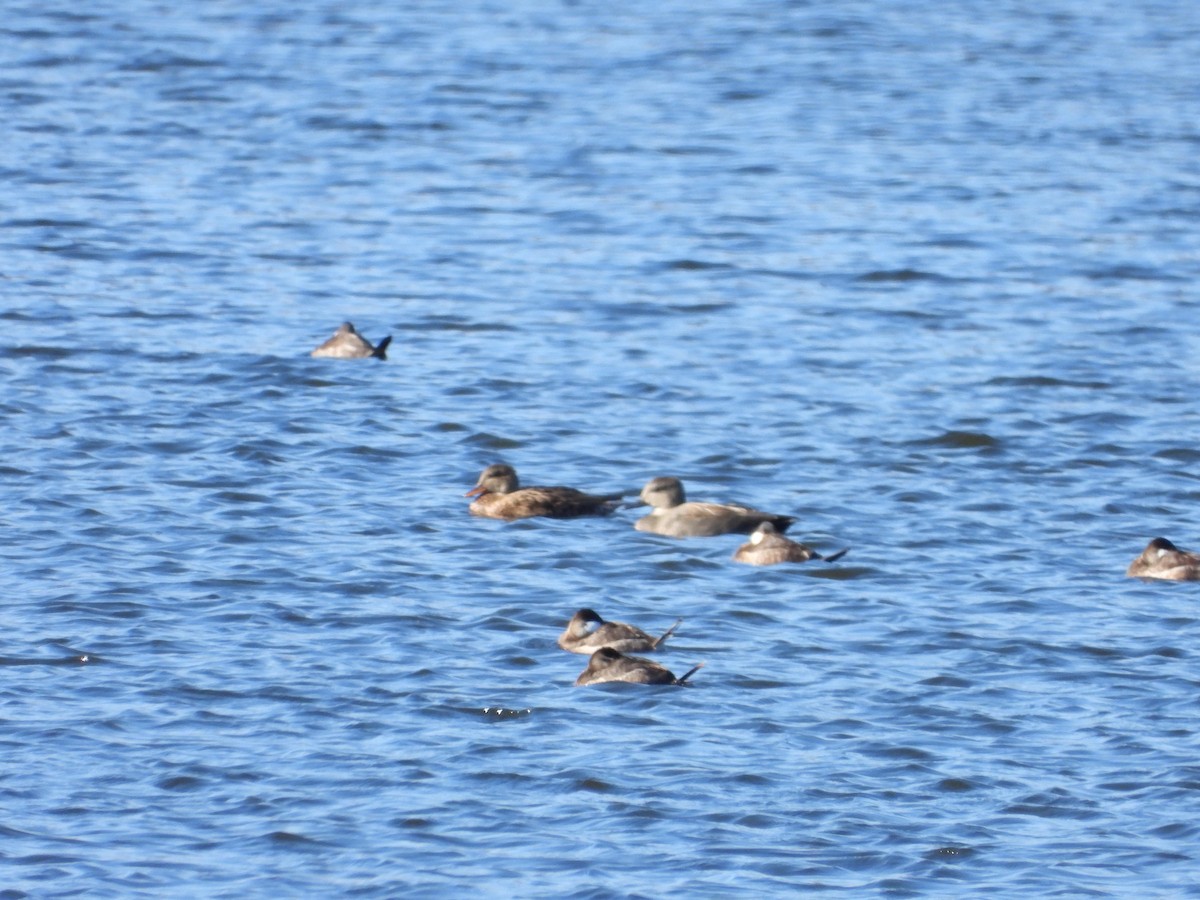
767 547
1163 560
607 664
587 633
347 343
674 516
499 495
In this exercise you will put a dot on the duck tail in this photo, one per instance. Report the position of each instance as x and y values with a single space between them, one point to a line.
666 634
612 501
609 503
834 557
690 672
380 351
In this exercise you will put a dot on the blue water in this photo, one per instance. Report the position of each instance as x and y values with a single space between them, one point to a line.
922 277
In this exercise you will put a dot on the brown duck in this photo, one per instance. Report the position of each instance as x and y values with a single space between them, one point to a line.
674 516
607 664
1162 559
587 633
347 343
766 548
498 495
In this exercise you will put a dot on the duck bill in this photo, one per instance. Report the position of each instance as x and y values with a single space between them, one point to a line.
478 489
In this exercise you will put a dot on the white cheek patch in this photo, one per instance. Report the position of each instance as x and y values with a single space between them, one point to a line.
591 627
1161 552
757 537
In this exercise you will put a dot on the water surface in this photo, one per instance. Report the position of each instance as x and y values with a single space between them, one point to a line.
921 278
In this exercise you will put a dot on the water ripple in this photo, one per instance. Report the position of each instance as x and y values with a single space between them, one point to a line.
255 643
